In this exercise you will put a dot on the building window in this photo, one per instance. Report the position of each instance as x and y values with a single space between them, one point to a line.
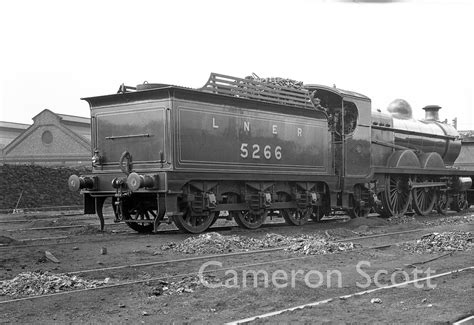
47 137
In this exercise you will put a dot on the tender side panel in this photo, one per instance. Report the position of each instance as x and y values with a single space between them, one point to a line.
230 138
138 129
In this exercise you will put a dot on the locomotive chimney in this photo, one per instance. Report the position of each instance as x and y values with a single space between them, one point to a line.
431 112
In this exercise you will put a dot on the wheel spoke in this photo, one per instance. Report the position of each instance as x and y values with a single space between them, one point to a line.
137 210
396 196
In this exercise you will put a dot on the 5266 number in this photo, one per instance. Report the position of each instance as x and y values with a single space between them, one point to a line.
255 153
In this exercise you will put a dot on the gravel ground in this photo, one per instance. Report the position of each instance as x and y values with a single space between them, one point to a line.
185 298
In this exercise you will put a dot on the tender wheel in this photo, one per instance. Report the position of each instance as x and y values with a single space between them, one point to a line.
396 197
424 200
139 210
460 202
250 219
194 224
216 216
296 217
442 205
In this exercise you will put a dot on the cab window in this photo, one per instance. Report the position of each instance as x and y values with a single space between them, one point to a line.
350 118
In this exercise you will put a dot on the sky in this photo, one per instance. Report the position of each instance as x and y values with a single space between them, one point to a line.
55 52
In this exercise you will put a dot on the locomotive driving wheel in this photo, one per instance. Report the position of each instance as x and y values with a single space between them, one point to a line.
137 210
195 224
250 219
297 217
424 198
396 197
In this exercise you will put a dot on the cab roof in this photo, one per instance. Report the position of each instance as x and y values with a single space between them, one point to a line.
338 91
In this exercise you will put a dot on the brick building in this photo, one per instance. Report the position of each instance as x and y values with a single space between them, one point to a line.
52 140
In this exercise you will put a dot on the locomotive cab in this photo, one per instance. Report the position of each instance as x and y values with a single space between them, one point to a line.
349 116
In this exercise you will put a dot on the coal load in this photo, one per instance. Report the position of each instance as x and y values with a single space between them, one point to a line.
440 242
277 81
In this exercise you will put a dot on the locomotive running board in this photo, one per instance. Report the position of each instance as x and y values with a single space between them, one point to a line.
427 184
422 171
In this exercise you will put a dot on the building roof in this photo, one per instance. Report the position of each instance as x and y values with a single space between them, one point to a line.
13 125
72 118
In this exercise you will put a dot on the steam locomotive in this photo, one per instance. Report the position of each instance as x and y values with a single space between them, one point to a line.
254 148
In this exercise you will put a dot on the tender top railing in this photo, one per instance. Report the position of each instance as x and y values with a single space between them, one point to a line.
251 88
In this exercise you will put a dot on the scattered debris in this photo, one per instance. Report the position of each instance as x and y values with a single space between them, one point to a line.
185 285
51 257
215 243
449 220
440 242
376 301
319 246
396 220
40 283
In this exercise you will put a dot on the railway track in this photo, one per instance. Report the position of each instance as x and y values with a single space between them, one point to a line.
188 262
279 225
58 227
58 240
254 252
358 293
234 267
66 216
129 233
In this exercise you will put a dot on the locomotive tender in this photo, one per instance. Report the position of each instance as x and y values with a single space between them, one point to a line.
165 153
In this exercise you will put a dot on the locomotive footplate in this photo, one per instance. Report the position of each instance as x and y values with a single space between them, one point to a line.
426 184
